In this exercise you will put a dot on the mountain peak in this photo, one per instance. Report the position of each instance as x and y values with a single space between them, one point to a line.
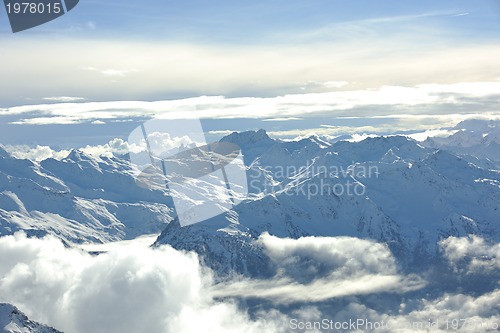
394 140
478 125
79 156
76 155
13 320
316 140
249 137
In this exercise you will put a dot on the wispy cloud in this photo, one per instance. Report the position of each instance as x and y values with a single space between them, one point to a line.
143 70
282 119
110 72
221 132
64 99
375 27
428 106
315 269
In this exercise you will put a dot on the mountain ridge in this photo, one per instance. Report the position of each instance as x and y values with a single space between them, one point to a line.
414 201
12 320
390 189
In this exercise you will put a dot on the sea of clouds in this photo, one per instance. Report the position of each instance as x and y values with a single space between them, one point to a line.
135 288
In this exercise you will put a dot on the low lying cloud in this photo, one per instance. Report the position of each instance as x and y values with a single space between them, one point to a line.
315 269
38 153
444 313
473 254
130 289
134 288
164 142
450 312
116 146
440 133
159 142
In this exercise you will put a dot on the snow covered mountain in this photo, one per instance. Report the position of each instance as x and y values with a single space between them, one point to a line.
80 198
401 194
473 137
14 321
389 189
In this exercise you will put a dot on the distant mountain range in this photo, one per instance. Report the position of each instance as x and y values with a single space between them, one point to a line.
392 189
408 196
79 199
473 137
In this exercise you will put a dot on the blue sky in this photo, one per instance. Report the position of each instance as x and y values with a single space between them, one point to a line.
192 48
262 21
334 58
256 21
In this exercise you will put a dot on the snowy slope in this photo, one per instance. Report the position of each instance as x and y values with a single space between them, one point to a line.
14 321
417 197
478 138
409 196
79 199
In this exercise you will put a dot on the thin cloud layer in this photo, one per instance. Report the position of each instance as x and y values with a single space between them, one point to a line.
39 153
151 70
64 99
427 106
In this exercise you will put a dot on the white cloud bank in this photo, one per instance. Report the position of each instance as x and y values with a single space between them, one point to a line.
134 288
117 146
38 153
446 313
155 69
138 289
432 105
478 255
131 289
315 269
388 109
